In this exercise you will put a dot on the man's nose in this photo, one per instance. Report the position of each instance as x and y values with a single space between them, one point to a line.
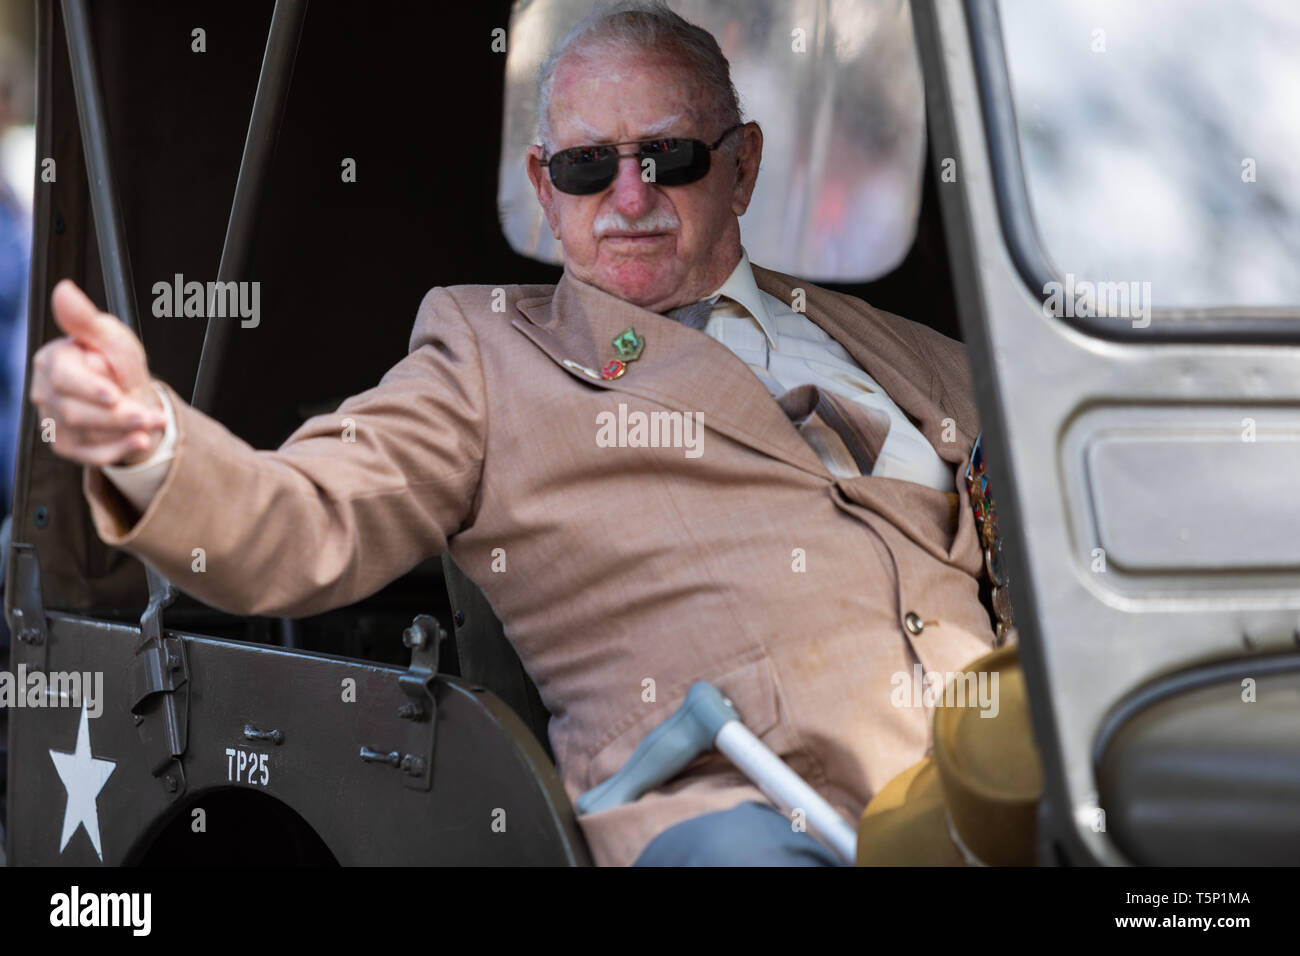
633 196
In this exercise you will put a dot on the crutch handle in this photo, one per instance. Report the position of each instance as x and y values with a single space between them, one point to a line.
666 750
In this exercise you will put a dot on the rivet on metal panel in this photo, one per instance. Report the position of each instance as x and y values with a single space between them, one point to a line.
413 765
414 636
25 634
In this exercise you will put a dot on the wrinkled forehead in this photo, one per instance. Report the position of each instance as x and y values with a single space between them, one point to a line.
606 97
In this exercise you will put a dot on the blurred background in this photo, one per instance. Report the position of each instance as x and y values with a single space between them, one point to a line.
1161 143
17 171
1160 140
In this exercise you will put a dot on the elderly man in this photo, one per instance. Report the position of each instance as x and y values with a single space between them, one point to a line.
672 466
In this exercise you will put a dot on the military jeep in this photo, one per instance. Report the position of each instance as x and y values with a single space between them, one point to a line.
320 150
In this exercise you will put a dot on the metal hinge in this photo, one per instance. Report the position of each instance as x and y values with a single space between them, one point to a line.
159 681
415 761
27 619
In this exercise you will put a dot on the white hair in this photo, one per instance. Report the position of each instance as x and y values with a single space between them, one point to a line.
635 27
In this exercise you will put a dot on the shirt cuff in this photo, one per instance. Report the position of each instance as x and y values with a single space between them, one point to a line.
141 481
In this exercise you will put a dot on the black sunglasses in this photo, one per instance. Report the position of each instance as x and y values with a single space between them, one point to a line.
583 170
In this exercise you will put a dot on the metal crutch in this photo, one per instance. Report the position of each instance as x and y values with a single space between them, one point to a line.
707 719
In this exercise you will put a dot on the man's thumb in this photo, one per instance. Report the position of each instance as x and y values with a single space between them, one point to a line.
78 317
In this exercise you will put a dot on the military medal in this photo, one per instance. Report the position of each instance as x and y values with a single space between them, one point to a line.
986 524
629 347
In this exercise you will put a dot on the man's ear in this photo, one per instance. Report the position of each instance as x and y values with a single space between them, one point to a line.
542 186
749 153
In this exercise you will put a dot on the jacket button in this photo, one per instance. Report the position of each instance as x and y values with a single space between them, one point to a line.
913 623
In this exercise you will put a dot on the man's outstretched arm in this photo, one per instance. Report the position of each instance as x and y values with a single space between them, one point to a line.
350 501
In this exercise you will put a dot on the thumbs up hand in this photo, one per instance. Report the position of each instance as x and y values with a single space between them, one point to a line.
95 384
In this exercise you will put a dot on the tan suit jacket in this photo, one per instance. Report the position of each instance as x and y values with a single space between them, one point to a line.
622 574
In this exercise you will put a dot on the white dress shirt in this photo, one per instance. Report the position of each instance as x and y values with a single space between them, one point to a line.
783 348
786 349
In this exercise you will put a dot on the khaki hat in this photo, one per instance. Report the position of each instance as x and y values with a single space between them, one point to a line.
975 799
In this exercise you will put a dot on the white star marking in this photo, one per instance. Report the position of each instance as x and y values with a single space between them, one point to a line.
83 777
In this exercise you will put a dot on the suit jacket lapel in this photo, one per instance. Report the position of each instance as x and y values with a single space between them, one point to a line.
680 368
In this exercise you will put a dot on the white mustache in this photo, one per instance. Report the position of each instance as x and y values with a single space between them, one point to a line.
660 220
